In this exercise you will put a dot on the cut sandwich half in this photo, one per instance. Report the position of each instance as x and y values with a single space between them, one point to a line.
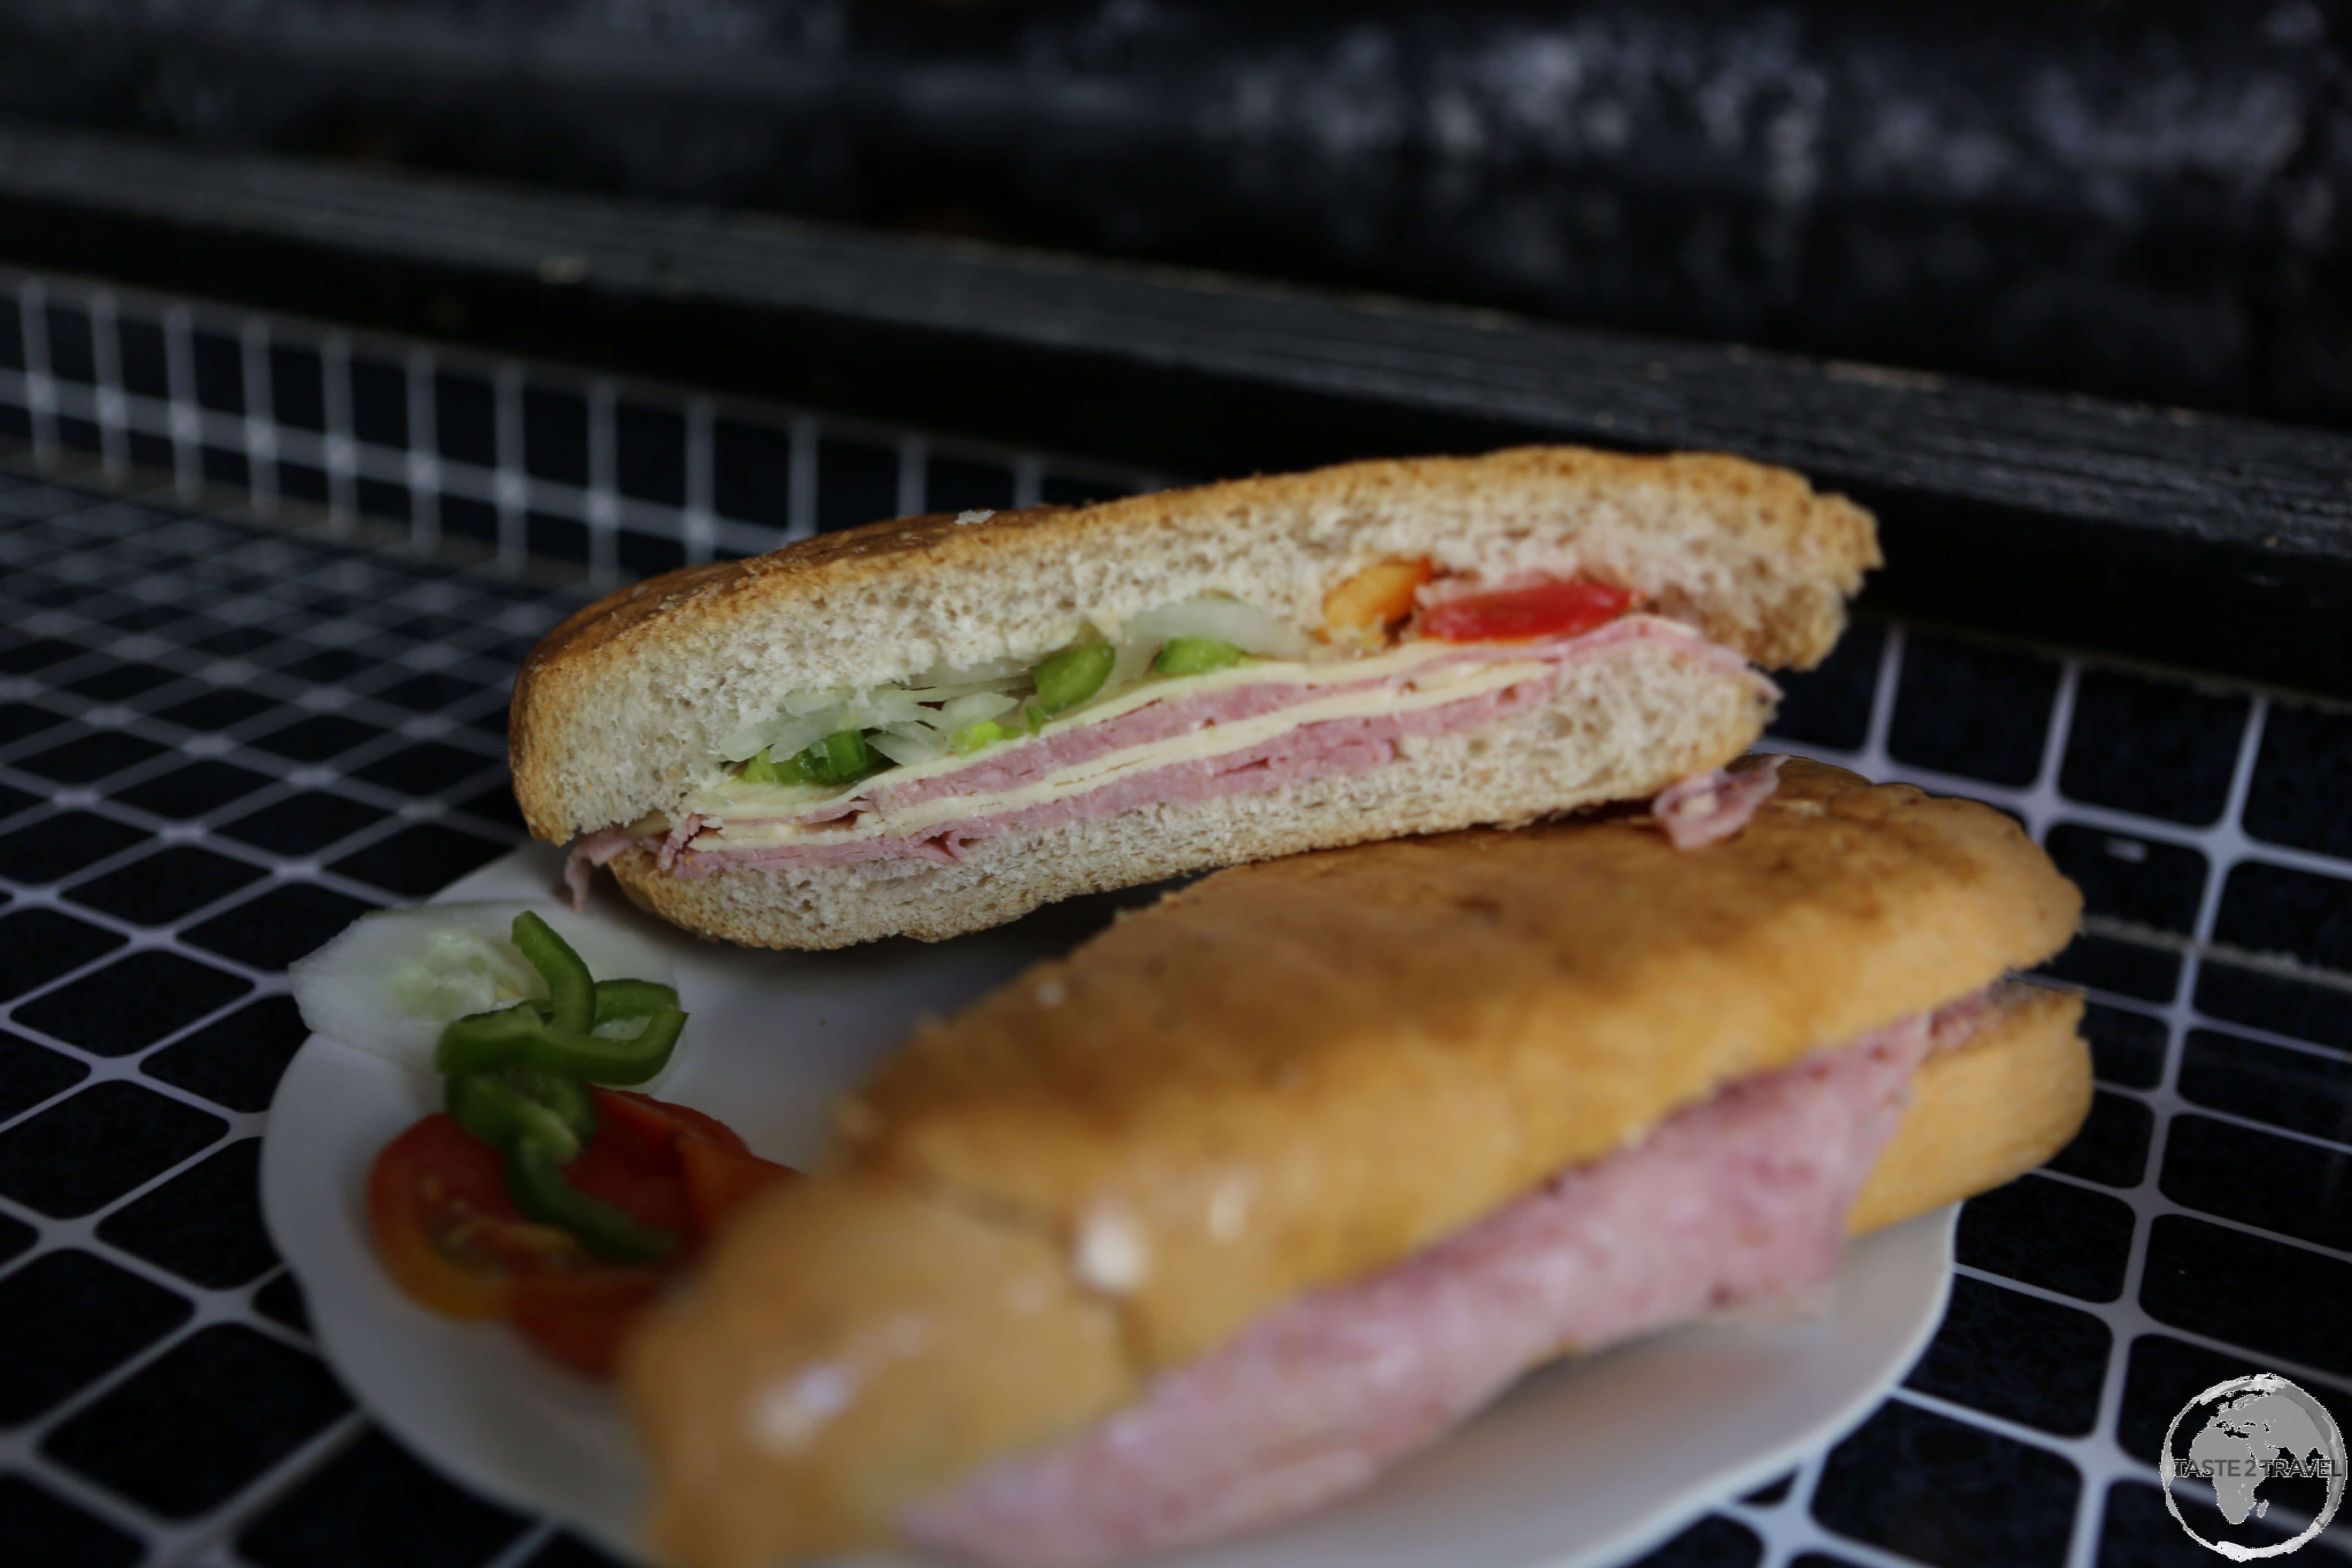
934 725
1273 1182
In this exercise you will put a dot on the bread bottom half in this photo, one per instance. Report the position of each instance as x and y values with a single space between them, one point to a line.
1984 1112
1620 726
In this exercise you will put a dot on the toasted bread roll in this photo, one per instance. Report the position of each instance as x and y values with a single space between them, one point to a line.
632 710
1299 1073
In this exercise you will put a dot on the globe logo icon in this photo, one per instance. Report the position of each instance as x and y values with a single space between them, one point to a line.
2256 1440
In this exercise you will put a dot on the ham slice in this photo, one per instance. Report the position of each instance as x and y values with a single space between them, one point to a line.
1742 1198
1709 807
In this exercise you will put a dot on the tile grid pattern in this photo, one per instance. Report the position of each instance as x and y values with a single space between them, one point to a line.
275 731
614 478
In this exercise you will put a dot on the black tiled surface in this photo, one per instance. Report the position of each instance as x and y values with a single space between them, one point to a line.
132 1003
215 711
1927 1487
2017 1357
856 482
2137 1532
161 887
1963 707
55 847
2303 777
280 926
281 1303
429 693
2144 880
316 738
2159 748
90 756
2199 1277
95 1145
2109 964
193 1428
1714 1541
555 436
2274 1002
30 1074
45 1530
2126 1048
2274 1184
2112 1147
425 768
302 824
465 425
2051 1234
372 1506
568 1551
15 1237
2280 909
2302 1091
750 473
2162 1373
38 945
73 1316
950 484
204 1223
20 720
415 860
1830 705
235 1061
379 394
649 454
201 787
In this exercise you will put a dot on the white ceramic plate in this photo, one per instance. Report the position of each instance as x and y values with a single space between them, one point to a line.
1583 1463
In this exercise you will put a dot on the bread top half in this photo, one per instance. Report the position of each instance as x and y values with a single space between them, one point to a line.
1293 1072
621 704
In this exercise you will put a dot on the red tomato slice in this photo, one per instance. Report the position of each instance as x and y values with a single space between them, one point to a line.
451 1237
1524 615
718 1178
447 1231
581 1321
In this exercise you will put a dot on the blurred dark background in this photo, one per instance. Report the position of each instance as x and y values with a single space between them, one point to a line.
2146 199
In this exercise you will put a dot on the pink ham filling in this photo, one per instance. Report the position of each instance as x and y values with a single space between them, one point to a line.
1742 1197
1310 751
1709 807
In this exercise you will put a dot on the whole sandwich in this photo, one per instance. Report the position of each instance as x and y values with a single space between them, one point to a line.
933 725
1273 1182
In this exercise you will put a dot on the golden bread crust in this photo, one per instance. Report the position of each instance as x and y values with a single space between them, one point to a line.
1305 1070
1984 1112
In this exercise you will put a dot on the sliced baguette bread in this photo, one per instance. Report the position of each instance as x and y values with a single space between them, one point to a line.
619 714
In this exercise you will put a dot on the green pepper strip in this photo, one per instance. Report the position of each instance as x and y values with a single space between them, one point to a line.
487 1104
540 1122
611 1058
570 991
1068 678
